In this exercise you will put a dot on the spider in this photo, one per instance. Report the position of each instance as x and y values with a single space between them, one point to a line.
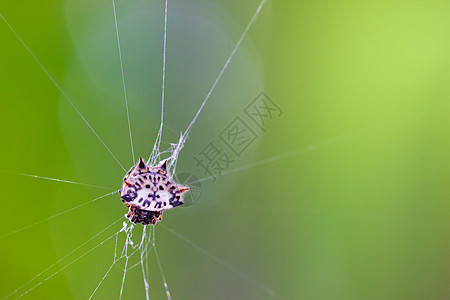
148 191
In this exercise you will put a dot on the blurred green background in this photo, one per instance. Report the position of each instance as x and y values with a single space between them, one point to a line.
344 196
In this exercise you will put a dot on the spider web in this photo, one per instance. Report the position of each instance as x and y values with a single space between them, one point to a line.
129 252
136 260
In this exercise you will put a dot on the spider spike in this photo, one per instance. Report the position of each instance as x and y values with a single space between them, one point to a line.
164 165
162 168
184 189
141 166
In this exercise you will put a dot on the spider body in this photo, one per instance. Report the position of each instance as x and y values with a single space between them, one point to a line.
149 191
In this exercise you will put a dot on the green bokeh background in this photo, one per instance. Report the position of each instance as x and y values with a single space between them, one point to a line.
353 205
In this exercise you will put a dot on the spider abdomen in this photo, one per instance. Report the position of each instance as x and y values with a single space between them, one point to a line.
149 189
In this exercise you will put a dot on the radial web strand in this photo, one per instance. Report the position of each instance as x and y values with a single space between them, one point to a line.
154 156
73 261
123 81
61 259
249 279
55 179
147 242
55 83
176 148
331 141
56 215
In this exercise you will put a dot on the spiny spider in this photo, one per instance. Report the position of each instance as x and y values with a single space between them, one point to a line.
148 191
